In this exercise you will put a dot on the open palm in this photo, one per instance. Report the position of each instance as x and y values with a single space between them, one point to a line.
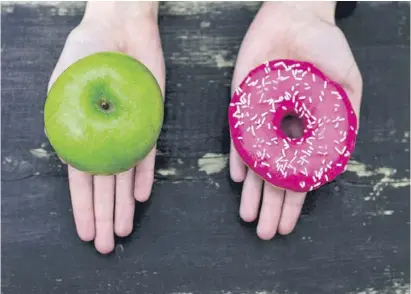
288 33
104 205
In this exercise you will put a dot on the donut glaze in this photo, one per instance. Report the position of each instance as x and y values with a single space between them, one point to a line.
280 88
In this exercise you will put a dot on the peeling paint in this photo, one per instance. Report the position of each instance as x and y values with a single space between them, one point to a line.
40 153
386 175
196 8
380 212
359 169
12 162
396 288
173 7
205 24
68 4
212 163
207 53
167 172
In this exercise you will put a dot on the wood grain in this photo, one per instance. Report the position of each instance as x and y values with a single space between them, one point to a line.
353 236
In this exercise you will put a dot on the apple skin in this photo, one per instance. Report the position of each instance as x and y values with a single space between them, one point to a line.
104 113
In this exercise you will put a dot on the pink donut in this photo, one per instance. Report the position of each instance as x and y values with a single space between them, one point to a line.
275 90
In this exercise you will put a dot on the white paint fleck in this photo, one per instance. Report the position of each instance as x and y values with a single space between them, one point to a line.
8 159
380 212
221 61
40 153
167 172
204 24
406 137
119 247
212 163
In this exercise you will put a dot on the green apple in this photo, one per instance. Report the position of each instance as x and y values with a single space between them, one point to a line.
104 113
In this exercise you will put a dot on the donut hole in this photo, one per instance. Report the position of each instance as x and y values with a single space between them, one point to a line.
292 126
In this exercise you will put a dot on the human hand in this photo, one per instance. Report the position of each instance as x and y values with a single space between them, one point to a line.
303 31
104 205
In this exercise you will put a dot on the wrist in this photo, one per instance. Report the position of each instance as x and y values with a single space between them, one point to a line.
325 10
120 12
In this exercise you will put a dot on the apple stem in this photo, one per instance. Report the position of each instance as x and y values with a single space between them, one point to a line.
104 104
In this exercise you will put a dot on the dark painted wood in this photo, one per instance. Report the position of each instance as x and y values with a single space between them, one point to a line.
353 236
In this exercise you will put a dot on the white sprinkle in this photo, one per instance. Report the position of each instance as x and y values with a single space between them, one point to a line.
306 153
239 123
325 84
340 151
269 175
302 184
265 164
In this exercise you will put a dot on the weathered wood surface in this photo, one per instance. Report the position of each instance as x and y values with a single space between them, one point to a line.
353 236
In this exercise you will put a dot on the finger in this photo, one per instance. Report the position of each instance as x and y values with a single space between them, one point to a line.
238 170
270 212
250 197
104 210
144 177
81 190
124 208
293 203
237 167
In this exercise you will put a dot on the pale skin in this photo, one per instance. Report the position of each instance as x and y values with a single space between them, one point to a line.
104 205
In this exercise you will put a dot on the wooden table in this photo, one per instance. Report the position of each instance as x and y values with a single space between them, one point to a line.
353 236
